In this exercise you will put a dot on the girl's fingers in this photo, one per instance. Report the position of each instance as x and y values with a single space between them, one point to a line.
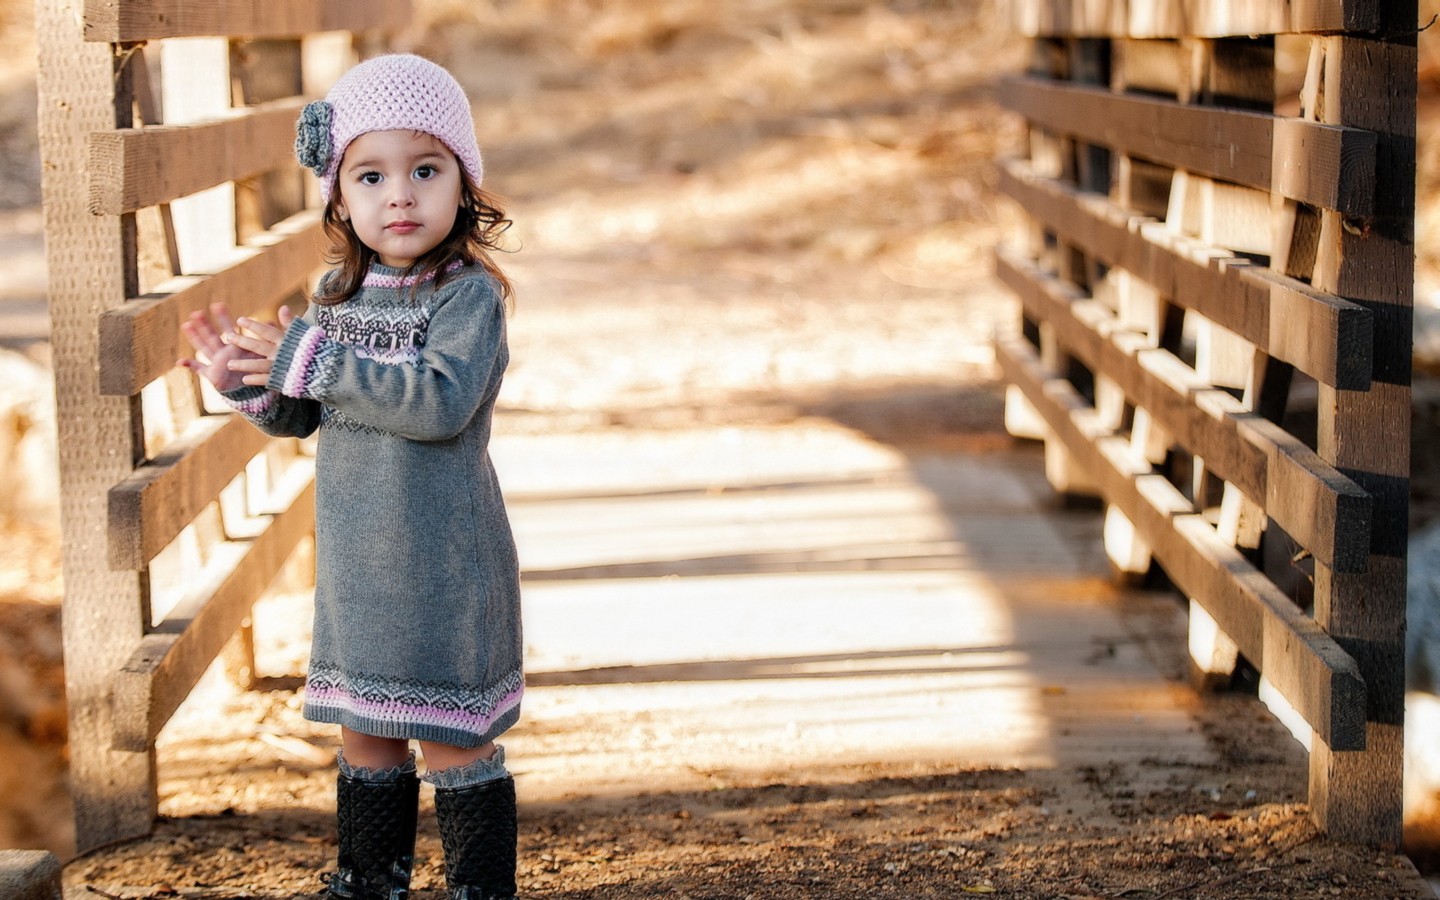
254 364
257 380
257 346
286 317
201 336
263 330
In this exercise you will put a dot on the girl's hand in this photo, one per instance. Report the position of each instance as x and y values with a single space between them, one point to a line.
259 346
222 353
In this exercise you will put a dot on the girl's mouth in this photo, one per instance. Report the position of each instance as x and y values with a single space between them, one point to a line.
402 227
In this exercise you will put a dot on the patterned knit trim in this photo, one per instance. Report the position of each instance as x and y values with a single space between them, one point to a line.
253 406
332 419
386 280
323 370
392 701
299 371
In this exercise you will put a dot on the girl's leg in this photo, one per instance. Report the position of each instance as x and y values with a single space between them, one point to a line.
370 752
475 806
376 796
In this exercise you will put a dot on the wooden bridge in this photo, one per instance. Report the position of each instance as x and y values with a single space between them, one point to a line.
1216 340
1198 272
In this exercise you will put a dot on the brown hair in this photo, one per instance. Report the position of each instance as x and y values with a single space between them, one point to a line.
479 223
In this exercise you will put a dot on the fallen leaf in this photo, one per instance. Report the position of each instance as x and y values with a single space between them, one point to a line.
978 889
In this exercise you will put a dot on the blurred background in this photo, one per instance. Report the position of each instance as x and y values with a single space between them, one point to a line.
725 213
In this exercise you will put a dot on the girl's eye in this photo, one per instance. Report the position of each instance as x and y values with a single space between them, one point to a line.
425 172
370 178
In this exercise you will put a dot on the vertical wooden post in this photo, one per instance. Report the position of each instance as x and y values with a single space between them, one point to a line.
1370 83
105 612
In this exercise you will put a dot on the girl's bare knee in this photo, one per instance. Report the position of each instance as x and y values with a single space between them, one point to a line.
371 752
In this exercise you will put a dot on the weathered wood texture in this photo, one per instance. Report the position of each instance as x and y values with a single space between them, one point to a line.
152 506
1169 308
1325 512
105 610
1370 82
142 339
158 491
1309 668
1321 165
138 167
1191 18
1326 337
170 659
146 20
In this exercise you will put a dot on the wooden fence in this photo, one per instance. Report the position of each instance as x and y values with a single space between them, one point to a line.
176 514
1215 266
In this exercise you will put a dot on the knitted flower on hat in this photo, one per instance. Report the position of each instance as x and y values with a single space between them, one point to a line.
388 93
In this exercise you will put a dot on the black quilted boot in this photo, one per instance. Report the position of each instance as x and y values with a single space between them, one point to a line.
478 832
376 820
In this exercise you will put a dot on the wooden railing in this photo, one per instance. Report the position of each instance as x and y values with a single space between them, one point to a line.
176 514
1216 289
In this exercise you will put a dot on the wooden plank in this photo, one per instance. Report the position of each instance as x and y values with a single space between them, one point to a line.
1333 16
1192 18
141 340
132 168
1316 331
1329 167
105 611
1323 510
1318 678
148 509
148 20
1322 165
160 673
1370 82
1320 334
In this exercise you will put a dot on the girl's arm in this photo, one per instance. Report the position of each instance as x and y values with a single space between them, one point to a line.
224 363
432 399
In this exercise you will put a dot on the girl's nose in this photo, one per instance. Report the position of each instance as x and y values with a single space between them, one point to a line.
402 197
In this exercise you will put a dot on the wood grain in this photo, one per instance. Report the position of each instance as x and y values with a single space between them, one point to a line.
148 509
162 670
147 20
1191 18
1322 335
1318 164
1313 673
1370 82
1319 507
114 793
141 340
132 168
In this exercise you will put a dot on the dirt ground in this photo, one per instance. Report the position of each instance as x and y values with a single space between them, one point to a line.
754 213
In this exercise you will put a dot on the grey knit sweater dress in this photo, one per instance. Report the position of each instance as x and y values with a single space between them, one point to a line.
417 594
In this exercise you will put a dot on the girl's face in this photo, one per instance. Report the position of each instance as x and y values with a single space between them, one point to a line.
400 191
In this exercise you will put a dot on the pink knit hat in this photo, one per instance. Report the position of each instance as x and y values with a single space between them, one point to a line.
388 93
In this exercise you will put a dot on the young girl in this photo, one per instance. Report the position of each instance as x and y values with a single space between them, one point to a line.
397 362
